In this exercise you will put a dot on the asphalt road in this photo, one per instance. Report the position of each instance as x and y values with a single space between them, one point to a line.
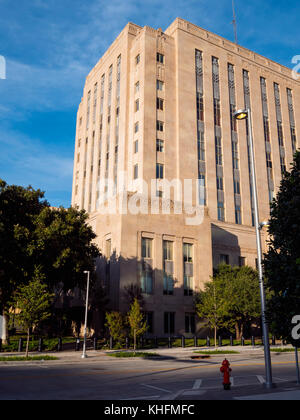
174 378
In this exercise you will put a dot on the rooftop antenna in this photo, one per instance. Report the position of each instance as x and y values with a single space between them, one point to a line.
234 23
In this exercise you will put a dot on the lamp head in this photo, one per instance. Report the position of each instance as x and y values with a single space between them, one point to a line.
241 114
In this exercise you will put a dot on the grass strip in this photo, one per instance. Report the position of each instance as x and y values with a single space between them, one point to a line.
24 359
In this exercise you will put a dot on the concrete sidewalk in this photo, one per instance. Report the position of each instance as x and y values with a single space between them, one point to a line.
178 353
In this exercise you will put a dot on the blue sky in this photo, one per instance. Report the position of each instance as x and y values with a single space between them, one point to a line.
51 45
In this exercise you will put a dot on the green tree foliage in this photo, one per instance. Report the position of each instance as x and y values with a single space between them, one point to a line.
115 324
138 325
18 208
62 244
32 303
210 306
231 300
282 261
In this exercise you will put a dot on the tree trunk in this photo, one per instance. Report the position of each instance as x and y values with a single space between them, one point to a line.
4 328
134 340
215 336
237 331
27 344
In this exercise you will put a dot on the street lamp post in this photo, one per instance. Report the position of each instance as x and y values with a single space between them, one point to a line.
242 115
84 356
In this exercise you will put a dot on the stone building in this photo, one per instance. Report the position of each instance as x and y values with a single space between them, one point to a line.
158 108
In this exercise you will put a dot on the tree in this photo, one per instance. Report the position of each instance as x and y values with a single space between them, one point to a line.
282 261
231 300
242 296
32 303
62 243
18 208
115 324
136 322
210 306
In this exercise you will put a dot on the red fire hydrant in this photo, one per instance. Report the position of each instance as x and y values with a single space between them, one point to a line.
225 369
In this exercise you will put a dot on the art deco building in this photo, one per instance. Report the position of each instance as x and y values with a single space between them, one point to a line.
159 106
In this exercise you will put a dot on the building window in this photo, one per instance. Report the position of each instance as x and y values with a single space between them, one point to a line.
242 261
217 112
159 145
238 215
159 171
188 286
169 322
219 154
136 146
235 155
237 189
159 126
221 211
201 146
168 267
137 87
147 282
148 316
220 184
224 259
160 58
136 127
160 104
160 85
137 59
146 248
200 107
190 324
188 253
136 171
137 105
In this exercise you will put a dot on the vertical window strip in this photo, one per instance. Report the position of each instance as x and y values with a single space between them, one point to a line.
264 99
88 110
200 129
117 123
218 138
292 120
279 127
234 143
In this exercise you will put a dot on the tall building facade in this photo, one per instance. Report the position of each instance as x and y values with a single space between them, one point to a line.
159 106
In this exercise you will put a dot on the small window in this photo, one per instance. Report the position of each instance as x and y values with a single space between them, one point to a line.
160 58
146 248
169 322
190 324
160 85
159 171
224 259
159 145
137 105
136 172
159 126
136 146
137 59
221 211
242 261
160 104
137 87
136 127
78 157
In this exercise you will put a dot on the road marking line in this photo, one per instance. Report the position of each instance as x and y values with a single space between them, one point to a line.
197 384
261 379
155 387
